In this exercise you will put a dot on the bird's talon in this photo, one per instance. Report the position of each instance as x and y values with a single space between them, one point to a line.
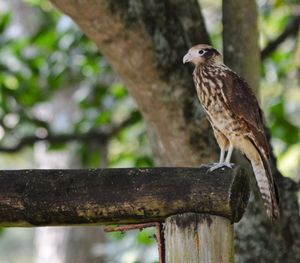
215 167
220 165
229 165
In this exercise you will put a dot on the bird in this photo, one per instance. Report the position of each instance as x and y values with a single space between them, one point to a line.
236 119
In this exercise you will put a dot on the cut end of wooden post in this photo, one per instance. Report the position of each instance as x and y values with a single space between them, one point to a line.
238 190
240 194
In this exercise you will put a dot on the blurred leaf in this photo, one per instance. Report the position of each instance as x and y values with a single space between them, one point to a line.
103 118
118 91
146 237
4 21
56 146
10 82
2 230
144 161
280 126
118 235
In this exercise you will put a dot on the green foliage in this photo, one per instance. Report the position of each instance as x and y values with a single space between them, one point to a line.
280 125
280 85
143 237
115 236
37 69
146 237
4 21
56 57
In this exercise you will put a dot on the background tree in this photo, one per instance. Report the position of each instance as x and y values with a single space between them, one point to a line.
49 103
144 41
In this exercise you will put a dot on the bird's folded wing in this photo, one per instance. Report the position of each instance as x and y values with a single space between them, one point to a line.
240 99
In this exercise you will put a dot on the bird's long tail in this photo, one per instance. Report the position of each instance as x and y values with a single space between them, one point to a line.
266 185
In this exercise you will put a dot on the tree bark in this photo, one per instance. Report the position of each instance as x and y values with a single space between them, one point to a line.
256 238
145 41
240 40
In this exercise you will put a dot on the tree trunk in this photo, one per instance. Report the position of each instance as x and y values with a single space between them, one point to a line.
274 242
144 41
240 40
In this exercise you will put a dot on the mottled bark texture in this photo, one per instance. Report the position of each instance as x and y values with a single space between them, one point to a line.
240 39
256 238
119 196
144 41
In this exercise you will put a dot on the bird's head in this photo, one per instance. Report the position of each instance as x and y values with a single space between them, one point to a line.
202 54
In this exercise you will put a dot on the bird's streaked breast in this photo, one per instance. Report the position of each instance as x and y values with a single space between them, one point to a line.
209 89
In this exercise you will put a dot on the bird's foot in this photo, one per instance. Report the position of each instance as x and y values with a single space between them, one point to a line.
220 165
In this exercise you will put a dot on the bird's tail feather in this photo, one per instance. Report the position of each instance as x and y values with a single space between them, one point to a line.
267 186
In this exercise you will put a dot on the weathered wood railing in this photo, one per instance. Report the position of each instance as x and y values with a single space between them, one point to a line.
197 206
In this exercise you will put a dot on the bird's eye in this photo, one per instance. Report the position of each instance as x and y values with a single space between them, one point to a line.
201 52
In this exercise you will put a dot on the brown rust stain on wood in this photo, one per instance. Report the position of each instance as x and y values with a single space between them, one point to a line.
201 238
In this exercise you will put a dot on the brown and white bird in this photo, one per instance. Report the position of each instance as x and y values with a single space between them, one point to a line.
235 116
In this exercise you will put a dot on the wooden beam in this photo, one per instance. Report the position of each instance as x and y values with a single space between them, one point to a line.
199 238
118 196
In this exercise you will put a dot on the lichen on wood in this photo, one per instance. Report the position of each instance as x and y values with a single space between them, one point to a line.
124 195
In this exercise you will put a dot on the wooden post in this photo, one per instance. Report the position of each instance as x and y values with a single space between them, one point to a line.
119 196
197 206
198 238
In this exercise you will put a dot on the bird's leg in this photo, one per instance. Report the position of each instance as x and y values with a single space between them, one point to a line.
228 157
222 156
220 163
223 162
159 236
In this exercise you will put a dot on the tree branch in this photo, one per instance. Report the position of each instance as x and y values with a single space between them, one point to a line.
291 29
101 135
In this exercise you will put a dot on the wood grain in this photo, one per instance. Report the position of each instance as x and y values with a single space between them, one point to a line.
118 196
198 238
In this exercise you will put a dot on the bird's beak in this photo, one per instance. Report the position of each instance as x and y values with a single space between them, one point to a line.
187 58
